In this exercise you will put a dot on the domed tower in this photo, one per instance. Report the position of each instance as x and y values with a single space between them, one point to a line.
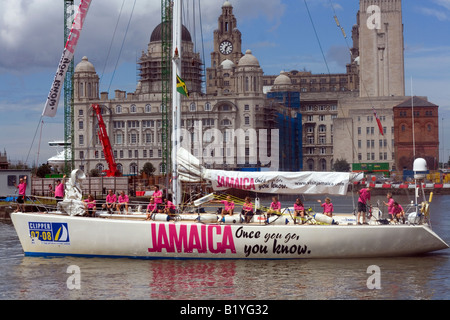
249 75
282 82
85 81
150 64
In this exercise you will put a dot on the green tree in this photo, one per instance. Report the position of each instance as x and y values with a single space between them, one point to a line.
43 170
94 173
148 169
341 165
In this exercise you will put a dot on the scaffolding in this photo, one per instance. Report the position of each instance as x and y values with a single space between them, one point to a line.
166 84
69 159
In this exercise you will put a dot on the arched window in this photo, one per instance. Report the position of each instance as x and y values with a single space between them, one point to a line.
133 108
322 128
81 89
118 109
133 168
323 165
310 164
148 108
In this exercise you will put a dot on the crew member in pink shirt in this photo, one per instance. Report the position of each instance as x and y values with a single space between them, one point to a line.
169 207
22 190
228 207
390 205
299 210
123 202
363 201
90 205
247 209
158 197
398 212
327 207
275 207
59 189
152 208
111 200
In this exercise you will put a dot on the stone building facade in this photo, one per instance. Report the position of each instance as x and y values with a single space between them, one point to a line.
225 115
336 110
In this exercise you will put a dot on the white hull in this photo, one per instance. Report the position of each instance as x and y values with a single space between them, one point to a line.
102 237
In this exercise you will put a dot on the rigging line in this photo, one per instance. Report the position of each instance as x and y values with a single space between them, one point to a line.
39 146
121 48
112 40
202 42
326 63
32 142
317 36
194 13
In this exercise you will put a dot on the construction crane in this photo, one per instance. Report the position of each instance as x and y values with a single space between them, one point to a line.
69 159
106 144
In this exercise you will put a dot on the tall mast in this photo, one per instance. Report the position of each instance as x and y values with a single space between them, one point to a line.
176 97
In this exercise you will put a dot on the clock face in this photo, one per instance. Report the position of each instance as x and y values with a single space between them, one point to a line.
226 47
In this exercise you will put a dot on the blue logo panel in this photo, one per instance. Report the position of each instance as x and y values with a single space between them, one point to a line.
49 232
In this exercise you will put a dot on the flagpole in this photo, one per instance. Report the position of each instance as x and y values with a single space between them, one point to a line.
413 124
176 99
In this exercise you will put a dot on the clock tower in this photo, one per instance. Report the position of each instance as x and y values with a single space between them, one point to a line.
227 47
227 38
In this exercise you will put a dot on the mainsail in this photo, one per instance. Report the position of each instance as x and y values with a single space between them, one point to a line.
51 105
304 182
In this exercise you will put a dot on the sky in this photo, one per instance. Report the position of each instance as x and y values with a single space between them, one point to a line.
280 34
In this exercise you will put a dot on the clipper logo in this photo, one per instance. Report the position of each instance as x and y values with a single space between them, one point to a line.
49 232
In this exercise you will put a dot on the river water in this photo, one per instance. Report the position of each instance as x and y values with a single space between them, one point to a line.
425 277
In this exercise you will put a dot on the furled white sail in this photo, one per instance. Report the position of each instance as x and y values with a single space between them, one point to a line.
51 105
304 182
73 203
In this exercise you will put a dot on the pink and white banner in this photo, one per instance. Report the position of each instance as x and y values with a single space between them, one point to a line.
333 183
51 105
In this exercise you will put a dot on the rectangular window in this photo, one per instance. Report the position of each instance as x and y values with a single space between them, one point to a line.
118 137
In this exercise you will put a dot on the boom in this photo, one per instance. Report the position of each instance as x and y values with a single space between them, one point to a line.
107 149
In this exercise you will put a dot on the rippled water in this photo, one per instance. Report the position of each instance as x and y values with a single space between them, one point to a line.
425 277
